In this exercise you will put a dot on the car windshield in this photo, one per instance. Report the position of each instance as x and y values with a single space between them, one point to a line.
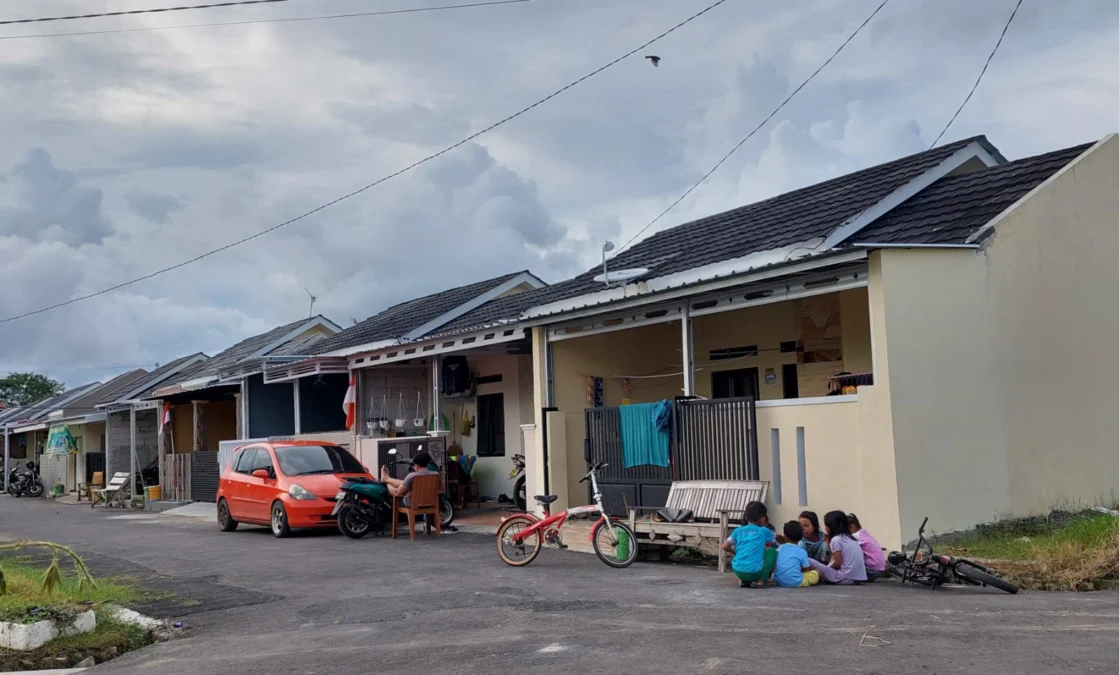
302 460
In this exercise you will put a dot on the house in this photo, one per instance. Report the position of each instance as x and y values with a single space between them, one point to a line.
397 381
891 325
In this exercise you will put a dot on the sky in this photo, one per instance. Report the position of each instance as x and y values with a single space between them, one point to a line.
126 153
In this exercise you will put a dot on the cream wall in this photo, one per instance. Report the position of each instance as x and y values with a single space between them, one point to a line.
1054 284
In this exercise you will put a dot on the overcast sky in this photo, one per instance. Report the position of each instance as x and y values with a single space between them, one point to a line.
129 152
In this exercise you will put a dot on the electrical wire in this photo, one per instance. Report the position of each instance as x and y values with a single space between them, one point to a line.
154 10
377 182
756 129
381 12
981 74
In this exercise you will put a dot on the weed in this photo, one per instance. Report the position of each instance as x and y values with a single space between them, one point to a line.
26 601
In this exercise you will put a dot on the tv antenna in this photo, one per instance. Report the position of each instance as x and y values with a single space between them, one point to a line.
311 312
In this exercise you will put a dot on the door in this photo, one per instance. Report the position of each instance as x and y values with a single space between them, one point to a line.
236 484
735 383
790 384
259 492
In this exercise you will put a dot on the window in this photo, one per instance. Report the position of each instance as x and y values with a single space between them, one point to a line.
491 425
245 461
735 383
303 460
263 461
790 382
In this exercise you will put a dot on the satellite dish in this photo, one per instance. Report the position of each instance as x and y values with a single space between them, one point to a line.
621 275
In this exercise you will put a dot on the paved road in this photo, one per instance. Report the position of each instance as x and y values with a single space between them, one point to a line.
324 604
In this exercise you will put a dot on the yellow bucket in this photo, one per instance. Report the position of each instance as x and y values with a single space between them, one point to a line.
155 493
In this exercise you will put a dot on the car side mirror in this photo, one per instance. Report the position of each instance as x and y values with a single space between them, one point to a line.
261 473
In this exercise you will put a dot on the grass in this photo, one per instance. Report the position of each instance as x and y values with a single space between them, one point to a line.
26 602
111 639
1080 555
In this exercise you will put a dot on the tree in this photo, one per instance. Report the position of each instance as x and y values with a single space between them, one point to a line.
26 388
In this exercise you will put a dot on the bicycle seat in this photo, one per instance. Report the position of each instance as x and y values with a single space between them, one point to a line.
545 499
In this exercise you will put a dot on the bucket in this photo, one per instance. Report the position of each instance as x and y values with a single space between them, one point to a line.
58 490
153 493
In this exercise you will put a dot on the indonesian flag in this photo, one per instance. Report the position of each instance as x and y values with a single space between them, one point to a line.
349 404
165 418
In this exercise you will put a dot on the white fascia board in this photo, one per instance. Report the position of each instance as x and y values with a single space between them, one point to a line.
896 198
863 244
29 427
291 335
690 284
982 232
492 294
358 349
80 419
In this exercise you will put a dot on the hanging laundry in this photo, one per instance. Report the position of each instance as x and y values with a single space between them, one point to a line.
642 442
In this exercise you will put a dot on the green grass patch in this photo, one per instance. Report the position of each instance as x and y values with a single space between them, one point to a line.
1017 544
111 639
26 601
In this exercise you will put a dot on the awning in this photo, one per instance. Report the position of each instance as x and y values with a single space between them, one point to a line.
38 426
60 442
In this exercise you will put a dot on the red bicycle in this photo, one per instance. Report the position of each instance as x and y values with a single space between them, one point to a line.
521 537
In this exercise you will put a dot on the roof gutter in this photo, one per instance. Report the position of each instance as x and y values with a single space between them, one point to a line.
869 245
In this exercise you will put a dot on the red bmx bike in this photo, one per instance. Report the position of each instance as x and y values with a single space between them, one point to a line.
521 537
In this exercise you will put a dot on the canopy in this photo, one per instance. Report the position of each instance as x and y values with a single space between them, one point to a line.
60 442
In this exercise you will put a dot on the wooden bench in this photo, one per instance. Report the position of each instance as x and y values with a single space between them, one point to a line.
714 504
114 493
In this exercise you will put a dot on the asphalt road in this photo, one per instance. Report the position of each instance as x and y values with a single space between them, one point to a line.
320 603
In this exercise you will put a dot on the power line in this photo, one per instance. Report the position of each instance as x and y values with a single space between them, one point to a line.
382 12
383 179
756 129
129 12
980 78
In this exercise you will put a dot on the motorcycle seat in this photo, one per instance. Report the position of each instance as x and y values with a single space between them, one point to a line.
545 499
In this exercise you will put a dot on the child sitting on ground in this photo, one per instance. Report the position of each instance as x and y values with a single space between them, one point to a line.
792 569
847 561
814 543
872 550
752 545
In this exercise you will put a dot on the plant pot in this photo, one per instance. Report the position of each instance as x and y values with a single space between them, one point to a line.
58 490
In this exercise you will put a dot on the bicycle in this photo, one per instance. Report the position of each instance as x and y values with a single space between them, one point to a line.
520 538
933 570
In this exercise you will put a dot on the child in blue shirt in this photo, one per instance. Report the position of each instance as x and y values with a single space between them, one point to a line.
753 548
793 569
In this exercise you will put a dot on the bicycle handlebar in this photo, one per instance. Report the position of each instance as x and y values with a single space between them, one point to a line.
596 467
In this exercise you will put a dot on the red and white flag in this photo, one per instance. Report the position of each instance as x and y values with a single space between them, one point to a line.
165 418
349 404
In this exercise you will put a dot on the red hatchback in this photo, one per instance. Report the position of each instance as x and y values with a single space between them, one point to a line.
286 485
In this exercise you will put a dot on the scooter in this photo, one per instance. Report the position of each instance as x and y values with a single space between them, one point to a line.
520 495
363 506
27 483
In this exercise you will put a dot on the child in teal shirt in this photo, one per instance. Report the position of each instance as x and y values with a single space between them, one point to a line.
753 548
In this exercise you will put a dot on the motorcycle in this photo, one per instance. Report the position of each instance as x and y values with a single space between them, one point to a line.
520 494
26 483
446 506
363 506
929 569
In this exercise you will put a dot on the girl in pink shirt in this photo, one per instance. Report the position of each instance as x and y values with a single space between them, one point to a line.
872 550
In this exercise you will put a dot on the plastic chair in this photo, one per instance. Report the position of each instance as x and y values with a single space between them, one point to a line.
423 496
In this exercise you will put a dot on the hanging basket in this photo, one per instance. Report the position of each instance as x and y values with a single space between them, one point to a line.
401 422
418 420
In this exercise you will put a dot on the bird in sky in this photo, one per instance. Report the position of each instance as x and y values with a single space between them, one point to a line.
655 60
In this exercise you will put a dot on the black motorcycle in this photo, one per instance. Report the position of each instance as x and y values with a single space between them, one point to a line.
363 506
26 483
929 569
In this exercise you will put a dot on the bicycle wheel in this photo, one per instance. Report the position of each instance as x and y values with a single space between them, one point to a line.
979 575
617 548
518 554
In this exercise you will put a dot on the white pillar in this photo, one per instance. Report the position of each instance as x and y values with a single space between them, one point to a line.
7 455
295 402
436 385
686 348
132 447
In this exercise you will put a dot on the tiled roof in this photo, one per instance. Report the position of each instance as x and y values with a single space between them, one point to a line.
955 207
37 412
298 346
115 388
86 404
398 320
151 381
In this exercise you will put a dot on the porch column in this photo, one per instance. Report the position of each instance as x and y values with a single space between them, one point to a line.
245 421
436 386
7 455
132 447
535 467
240 417
686 349
295 403
199 425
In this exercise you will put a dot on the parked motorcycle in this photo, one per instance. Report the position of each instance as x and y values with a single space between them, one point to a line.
363 506
520 495
929 569
26 483
446 506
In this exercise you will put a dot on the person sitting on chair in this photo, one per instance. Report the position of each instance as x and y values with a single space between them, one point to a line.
401 488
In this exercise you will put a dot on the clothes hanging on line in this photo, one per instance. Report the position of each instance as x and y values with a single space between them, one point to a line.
642 442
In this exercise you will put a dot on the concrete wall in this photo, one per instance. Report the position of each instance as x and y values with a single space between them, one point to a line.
1052 281
182 428
221 423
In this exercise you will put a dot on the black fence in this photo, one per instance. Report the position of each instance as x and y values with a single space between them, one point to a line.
204 475
94 462
709 440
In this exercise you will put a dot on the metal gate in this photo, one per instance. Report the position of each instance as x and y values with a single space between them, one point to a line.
709 440
204 474
94 462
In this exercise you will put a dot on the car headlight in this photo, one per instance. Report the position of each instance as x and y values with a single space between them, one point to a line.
297 491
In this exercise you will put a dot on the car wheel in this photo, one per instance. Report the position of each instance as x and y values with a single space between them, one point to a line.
225 520
280 520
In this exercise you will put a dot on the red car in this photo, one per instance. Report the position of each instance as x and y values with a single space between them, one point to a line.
286 486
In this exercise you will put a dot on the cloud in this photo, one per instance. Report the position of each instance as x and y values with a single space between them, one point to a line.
137 151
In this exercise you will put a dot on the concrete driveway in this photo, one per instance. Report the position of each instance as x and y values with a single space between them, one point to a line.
320 603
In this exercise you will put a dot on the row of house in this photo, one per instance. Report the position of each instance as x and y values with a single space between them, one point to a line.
894 333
